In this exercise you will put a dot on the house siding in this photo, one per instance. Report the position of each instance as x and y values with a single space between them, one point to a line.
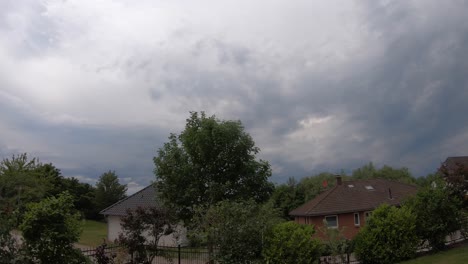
345 224
179 237
113 227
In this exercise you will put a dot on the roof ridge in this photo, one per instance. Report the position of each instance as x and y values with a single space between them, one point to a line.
124 199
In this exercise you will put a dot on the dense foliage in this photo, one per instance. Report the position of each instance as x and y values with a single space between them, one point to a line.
457 177
9 247
236 229
109 190
142 230
21 182
50 228
291 243
211 161
388 237
438 213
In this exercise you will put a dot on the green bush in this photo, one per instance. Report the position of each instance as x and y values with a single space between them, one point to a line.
292 243
50 228
235 229
388 237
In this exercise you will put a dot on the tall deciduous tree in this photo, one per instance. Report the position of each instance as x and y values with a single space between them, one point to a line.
109 190
21 181
210 161
438 213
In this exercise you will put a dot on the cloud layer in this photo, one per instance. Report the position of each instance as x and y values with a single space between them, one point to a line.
320 85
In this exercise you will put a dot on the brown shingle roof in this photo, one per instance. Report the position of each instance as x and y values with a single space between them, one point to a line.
344 198
452 163
144 198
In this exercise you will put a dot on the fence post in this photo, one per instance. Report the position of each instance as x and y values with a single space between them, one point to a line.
178 252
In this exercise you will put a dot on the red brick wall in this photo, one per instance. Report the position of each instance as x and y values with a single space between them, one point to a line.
345 224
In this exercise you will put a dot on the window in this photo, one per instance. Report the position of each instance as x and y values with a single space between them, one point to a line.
368 214
332 221
357 221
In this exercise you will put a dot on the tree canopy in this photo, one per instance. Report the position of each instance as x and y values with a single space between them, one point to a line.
109 190
22 180
210 161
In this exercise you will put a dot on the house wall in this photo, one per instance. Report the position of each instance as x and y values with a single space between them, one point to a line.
113 227
179 237
345 224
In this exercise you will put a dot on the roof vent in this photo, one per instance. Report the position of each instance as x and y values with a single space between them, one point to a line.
350 186
370 188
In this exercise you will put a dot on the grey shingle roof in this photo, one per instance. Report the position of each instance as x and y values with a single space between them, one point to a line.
353 196
144 198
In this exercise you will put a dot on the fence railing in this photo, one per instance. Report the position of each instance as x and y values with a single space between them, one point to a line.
186 255
173 255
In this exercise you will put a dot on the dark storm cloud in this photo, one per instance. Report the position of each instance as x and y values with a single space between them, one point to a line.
386 82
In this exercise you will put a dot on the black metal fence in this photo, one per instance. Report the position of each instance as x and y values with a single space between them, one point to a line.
186 255
166 255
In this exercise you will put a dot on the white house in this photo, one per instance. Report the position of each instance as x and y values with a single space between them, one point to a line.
144 198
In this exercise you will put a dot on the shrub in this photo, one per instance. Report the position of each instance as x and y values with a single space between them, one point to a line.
235 229
292 243
388 237
50 228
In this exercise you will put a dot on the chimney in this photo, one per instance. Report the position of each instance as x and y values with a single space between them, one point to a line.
390 194
338 179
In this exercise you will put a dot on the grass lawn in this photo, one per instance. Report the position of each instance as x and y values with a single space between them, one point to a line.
93 233
453 256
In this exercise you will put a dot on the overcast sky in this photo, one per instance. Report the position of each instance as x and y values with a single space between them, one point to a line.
93 85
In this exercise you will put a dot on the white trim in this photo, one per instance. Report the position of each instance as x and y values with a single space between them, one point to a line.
337 224
358 219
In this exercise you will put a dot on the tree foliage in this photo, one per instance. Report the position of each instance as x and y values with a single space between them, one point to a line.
109 190
50 228
287 197
290 242
9 247
21 182
83 197
438 213
389 236
142 230
456 176
211 161
369 171
236 229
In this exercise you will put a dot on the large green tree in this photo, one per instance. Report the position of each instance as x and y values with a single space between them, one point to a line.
210 161
22 180
438 212
287 197
109 190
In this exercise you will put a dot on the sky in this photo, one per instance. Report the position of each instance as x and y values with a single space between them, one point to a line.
98 85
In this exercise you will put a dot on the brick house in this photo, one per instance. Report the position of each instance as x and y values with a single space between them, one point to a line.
348 204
